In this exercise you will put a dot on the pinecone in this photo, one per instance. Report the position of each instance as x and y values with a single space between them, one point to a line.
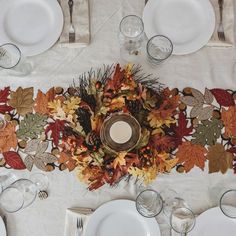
93 141
84 119
134 106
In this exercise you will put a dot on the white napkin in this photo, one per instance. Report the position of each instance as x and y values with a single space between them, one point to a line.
81 22
71 220
228 24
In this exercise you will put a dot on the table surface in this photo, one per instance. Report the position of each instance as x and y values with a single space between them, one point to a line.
209 67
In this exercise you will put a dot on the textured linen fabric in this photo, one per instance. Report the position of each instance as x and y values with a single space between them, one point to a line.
209 67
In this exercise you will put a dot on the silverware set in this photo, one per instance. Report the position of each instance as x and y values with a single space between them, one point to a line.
72 28
220 30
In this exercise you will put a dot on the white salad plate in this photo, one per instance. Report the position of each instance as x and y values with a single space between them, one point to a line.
33 25
2 228
189 24
120 218
214 223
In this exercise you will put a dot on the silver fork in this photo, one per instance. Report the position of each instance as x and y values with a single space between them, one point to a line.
72 29
79 226
220 30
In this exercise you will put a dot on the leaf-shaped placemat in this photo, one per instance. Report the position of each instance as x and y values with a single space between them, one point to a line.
22 100
31 126
208 132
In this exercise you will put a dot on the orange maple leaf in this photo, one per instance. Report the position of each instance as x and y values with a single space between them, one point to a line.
229 119
8 138
191 155
42 100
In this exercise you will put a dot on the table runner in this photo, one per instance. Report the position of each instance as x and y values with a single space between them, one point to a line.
209 67
70 120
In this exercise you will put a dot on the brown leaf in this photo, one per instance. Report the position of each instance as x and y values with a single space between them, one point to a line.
219 159
208 96
198 95
8 138
190 155
229 119
29 162
42 100
196 110
189 100
39 164
206 113
22 100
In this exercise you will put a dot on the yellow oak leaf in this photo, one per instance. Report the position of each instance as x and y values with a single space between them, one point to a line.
71 105
22 100
120 160
165 164
55 105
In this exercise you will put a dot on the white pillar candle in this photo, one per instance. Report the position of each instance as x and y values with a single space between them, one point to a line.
120 132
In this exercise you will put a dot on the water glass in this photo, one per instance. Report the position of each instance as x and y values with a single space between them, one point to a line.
131 37
149 203
11 59
18 195
182 220
228 203
159 48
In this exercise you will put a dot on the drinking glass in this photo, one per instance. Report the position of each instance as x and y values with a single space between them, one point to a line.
228 203
6 180
40 180
131 37
182 220
18 195
149 203
12 60
159 48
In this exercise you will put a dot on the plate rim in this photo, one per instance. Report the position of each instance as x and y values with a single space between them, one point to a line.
45 44
122 201
2 224
210 11
207 213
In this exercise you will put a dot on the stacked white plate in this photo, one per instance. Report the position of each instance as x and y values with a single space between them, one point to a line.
189 24
33 25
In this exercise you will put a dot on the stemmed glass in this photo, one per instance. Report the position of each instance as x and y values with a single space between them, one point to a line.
23 192
12 60
131 37
228 203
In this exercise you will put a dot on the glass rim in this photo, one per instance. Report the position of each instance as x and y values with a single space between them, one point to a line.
194 220
18 49
221 198
162 36
152 190
22 196
39 174
137 18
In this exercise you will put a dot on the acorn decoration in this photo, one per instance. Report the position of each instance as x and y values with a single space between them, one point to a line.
133 106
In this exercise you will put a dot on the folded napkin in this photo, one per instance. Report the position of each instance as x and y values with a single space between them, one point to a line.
81 23
228 24
71 220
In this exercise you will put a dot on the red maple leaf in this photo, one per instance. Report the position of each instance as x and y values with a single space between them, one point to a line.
223 97
162 143
182 129
3 101
4 95
57 128
14 160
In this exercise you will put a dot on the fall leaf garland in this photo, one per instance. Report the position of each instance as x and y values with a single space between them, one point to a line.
61 128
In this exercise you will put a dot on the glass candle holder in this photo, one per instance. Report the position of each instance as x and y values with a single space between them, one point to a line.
131 37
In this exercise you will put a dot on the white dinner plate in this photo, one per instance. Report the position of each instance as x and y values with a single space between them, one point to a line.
214 223
2 228
120 218
189 24
33 25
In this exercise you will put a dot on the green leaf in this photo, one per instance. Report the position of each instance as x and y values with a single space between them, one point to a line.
31 126
208 132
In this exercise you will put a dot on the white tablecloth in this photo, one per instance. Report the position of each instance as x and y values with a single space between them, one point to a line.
208 67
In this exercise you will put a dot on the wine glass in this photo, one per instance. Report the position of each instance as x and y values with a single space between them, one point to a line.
149 203
228 203
12 60
182 220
